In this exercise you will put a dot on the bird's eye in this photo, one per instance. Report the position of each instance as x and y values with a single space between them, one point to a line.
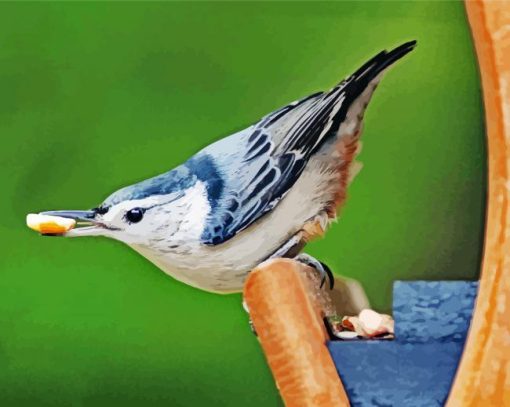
134 215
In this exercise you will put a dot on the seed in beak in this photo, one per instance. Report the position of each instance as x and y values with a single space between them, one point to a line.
46 224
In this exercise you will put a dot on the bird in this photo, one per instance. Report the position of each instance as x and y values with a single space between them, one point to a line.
260 193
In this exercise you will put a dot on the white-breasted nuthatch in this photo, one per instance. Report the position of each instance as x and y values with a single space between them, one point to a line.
260 193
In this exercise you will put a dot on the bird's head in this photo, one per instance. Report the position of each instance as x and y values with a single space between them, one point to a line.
161 211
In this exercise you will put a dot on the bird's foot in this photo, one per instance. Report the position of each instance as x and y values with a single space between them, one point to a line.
323 269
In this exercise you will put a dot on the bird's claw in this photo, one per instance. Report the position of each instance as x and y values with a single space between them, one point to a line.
323 269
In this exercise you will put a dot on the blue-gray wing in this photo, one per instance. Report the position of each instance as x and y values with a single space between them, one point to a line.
269 159
262 163
273 154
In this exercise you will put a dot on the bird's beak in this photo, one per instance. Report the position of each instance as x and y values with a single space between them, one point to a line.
86 225
85 216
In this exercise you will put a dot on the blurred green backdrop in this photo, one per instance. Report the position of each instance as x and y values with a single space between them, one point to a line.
94 96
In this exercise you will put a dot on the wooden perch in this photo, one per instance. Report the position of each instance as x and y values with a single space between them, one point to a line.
287 313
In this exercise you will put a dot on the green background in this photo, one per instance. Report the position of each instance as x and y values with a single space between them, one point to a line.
94 96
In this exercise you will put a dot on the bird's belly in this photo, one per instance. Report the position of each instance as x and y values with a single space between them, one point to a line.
223 268
214 270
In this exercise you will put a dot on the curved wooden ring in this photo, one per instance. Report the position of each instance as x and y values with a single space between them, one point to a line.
483 377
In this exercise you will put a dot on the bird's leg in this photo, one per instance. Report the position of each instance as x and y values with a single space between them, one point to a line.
290 248
323 269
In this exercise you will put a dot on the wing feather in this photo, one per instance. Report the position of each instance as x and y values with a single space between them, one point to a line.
274 165
276 150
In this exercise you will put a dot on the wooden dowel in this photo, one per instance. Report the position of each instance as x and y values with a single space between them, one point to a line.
288 321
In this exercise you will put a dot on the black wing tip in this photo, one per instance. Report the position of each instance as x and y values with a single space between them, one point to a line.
403 49
383 60
408 45
386 58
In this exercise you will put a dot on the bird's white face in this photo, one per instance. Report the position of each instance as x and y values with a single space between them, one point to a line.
156 221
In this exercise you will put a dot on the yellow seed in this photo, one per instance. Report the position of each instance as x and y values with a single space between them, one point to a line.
49 224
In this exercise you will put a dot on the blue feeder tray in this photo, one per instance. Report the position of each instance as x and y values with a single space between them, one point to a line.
417 368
